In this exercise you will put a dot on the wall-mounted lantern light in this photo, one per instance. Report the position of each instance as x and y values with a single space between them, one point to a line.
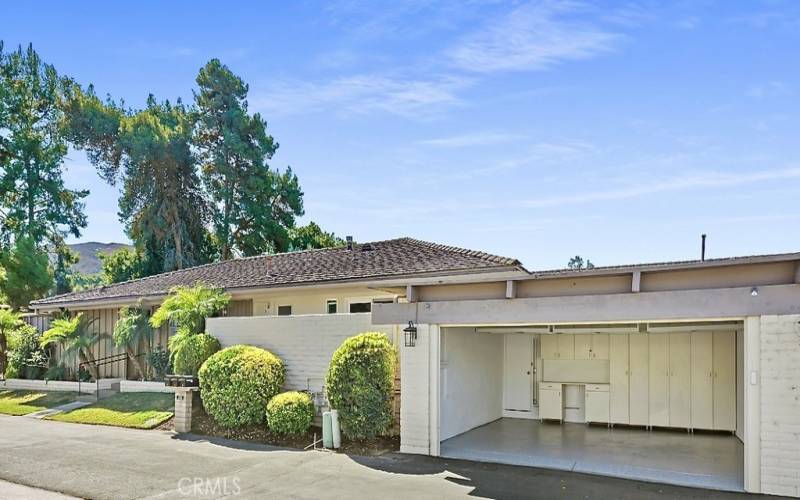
411 334
754 292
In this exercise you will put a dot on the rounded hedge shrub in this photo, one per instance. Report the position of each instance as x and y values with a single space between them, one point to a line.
359 384
193 352
237 382
290 413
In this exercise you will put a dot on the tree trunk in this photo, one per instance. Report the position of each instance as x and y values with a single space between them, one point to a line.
3 357
87 357
227 235
30 200
176 234
137 363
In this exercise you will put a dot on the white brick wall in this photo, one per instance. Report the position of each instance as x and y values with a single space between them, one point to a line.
414 391
304 343
780 405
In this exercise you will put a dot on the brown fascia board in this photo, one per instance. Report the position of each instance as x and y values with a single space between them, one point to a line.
663 266
129 299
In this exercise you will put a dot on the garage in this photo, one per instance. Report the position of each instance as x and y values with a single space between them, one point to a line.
646 401
677 372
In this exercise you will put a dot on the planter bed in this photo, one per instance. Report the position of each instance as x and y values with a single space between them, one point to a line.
56 385
203 424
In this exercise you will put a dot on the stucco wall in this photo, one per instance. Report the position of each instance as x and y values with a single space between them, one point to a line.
780 405
471 380
304 343
312 301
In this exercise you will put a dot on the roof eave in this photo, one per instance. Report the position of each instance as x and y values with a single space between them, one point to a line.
487 274
667 266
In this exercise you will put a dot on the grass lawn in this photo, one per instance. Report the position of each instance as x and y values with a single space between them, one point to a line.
140 410
24 402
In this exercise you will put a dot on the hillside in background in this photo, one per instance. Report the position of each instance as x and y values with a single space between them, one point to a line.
89 263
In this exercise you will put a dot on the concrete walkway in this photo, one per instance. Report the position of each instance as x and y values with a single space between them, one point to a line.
107 462
57 409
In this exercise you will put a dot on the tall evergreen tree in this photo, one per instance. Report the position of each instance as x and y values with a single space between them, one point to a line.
27 274
253 206
163 205
34 202
62 271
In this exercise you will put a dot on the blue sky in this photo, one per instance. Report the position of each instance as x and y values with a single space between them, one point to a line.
541 130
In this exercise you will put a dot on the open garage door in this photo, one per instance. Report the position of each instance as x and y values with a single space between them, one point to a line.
652 401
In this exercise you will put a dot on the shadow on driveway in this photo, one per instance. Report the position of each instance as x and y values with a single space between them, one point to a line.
510 481
502 481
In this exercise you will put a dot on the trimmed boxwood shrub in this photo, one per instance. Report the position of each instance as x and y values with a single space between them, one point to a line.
193 352
290 413
237 382
359 384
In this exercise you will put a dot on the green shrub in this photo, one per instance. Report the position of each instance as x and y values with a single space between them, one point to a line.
359 384
12 370
159 361
56 372
237 383
193 352
290 413
26 358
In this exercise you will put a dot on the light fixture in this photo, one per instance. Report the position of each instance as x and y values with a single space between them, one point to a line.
410 334
754 292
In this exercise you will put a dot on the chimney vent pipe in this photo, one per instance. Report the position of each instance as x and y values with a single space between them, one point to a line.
703 247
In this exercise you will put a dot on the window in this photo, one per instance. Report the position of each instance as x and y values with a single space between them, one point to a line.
284 310
360 307
331 306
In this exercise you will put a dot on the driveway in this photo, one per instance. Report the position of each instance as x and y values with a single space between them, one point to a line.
107 462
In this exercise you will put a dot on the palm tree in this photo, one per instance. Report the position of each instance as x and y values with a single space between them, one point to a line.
130 330
75 339
187 308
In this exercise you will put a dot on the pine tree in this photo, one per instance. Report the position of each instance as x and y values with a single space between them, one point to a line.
34 202
254 207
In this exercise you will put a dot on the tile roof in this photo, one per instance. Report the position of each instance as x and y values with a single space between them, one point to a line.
367 261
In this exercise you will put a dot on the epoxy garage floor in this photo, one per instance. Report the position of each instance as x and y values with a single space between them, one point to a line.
667 456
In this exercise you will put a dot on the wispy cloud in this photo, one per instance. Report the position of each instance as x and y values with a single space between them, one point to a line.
768 19
361 94
485 138
540 154
761 218
769 89
688 23
655 186
532 37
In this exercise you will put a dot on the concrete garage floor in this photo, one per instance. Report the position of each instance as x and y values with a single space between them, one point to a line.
702 460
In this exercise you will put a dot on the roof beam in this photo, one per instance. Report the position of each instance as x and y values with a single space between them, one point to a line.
695 305
411 293
511 289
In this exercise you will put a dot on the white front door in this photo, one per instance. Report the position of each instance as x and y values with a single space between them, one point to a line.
518 370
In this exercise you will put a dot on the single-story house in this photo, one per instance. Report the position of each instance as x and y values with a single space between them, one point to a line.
293 296
682 372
